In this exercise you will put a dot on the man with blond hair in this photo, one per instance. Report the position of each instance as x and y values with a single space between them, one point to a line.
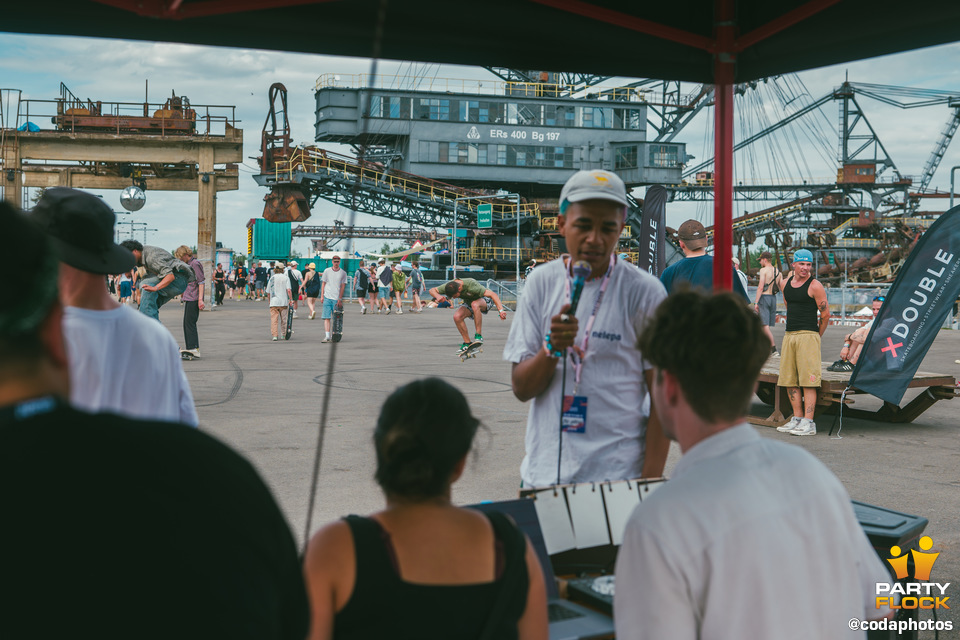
192 302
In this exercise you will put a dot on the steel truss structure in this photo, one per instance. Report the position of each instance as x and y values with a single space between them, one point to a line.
339 231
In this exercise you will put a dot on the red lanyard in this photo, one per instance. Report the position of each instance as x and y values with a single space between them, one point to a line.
578 361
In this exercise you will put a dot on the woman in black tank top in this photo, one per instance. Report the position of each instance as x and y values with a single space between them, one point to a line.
422 568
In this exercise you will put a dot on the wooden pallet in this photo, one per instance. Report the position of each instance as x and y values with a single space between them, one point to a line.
832 383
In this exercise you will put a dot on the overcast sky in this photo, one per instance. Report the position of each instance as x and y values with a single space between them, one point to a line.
113 70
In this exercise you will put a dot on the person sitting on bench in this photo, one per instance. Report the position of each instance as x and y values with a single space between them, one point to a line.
853 342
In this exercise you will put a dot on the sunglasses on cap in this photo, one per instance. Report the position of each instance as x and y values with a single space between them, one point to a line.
880 299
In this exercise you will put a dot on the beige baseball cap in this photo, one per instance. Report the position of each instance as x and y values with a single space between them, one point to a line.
595 184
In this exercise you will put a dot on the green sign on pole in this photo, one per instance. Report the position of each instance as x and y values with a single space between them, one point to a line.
484 216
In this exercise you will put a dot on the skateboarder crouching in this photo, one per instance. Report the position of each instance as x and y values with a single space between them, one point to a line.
476 302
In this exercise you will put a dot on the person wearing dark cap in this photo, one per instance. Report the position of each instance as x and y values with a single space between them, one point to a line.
120 360
612 433
122 527
696 268
167 277
765 304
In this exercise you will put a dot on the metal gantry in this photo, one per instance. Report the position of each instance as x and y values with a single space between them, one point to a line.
379 190
337 232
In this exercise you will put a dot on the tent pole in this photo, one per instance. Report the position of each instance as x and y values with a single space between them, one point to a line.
723 71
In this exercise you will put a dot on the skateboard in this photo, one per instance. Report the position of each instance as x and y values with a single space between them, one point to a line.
470 351
289 322
337 322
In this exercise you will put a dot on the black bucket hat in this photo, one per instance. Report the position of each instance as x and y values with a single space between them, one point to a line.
81 227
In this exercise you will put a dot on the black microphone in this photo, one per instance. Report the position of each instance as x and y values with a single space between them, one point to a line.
581 271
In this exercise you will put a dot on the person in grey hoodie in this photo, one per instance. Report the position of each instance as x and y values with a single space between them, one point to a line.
166 276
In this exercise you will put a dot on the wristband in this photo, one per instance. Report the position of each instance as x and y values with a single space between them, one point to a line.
549 346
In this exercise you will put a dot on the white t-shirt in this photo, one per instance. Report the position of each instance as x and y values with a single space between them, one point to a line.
332 281
743 278
123 362
277 288
861 334
612 446
750 538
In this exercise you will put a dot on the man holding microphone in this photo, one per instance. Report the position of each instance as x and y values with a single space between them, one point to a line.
585 357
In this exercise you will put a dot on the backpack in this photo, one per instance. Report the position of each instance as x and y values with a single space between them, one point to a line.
360 280
386 277
312 285
293 281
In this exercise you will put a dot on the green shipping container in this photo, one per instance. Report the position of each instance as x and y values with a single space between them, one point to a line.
271 240
347 264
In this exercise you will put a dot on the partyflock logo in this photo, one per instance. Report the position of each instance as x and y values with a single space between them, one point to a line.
919 593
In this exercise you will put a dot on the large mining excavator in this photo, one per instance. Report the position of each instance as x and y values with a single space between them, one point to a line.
286 201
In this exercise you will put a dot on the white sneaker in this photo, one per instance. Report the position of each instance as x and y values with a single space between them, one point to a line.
327 339
378 310
388 310
399 312
275 338
312 315
363 311
295 315
790 425
807 428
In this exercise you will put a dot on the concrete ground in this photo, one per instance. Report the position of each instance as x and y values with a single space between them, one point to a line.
265 398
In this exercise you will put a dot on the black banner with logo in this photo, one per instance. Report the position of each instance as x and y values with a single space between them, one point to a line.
652 232
914 310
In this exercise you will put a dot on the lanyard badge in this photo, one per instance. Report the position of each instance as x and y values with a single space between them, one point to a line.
578 359
574 416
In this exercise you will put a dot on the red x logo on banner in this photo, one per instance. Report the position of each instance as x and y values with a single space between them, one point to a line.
892 347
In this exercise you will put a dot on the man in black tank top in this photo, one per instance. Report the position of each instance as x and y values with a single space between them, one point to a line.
804 298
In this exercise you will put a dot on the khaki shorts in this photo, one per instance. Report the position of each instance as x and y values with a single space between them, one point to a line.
800 359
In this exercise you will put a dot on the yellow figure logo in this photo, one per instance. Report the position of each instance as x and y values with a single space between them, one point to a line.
899 564
922 562
601 178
